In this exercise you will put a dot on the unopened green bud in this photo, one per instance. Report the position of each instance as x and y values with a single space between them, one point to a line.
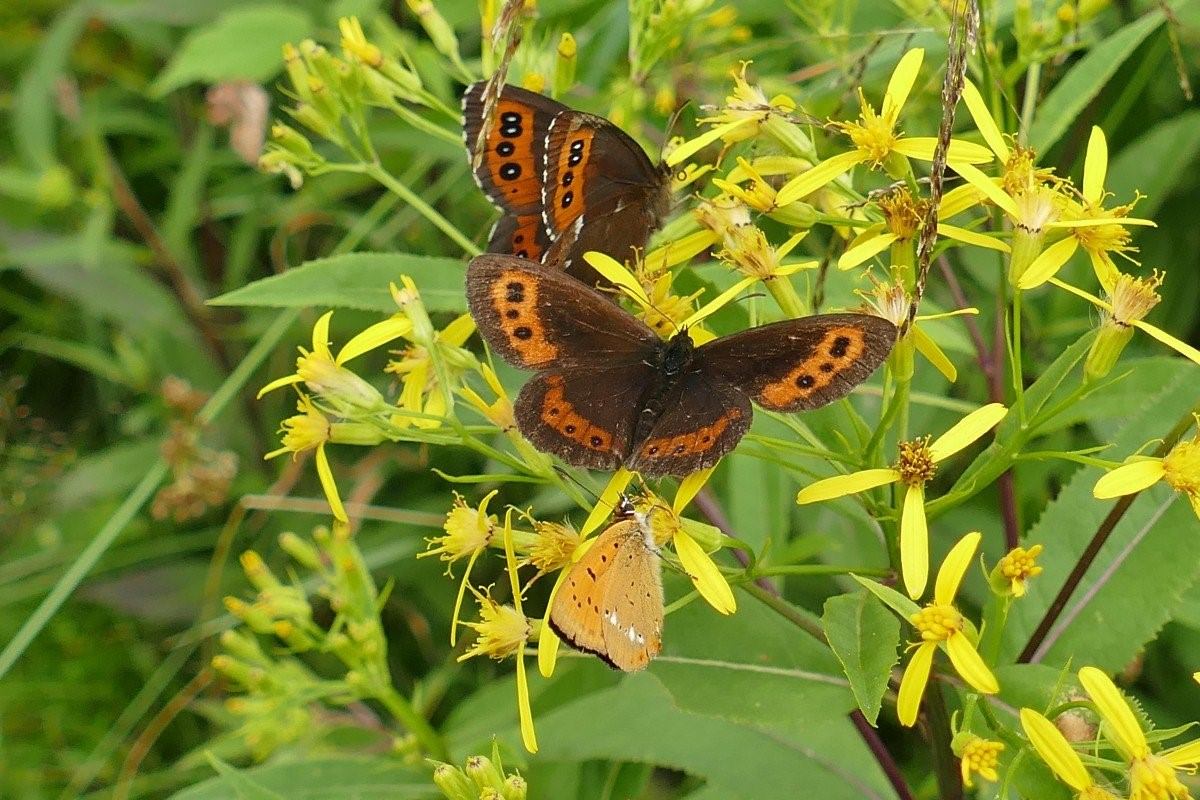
292 141
490 793
797 215
323 100
790 136
285 602
564 65
300 550
440 32
1106 348
707 536
55 187
253 615
1026 245
296 637
296 70
244 647
896 165
308 116
515 788
359 433
453 783
257 571
902 361
239 671
484 773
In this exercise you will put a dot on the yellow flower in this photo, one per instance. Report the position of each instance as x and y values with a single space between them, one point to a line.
1151 775
311 430
903 217
499 412
761 196
325 376
941 625
877 141
892 302
1052 747
1179 469
501 629
1128 302
551 546
980 756
1034 203
1085 227
916 466
1015 569
468 533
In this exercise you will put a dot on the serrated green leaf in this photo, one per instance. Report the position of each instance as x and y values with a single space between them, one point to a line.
356 280
1140 574
242 44
316 779
1084 81
864 636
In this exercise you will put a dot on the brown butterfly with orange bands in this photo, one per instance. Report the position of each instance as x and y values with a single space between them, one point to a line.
567 182
609 392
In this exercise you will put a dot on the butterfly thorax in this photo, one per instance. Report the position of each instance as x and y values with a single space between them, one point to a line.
675 357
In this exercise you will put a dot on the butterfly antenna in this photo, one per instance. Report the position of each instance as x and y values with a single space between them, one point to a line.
562 473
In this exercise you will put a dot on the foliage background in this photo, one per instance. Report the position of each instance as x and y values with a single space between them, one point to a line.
123 209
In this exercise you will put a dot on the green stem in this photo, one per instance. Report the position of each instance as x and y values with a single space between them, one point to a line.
417 725
1033 77
818 569
1018 370
785 295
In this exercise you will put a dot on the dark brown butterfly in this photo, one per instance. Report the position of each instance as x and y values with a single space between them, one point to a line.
567 182
609 392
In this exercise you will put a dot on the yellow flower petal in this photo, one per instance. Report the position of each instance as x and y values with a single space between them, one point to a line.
375 336
959 152
718 302
1106 271
989 188
958 200
1181 347
462 591
1123 727
842 485
1048 263
950 574
865 250
1185 755
927 347
548 641
1054 749
808 182
327 484
967 430
901 82
607 500
912 685
320 340
969 665
973 238
914 542
1095 166
987 126
617 274
679 251
457 332
287 380
693 146
528 735
707 579
790 245
1128 478
689 487
1097 222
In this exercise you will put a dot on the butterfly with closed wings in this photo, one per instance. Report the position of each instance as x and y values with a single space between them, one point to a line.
566 182
611 601
609 392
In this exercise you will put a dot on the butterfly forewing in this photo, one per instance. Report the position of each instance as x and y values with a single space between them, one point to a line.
801 363
521 235
611 602
536 316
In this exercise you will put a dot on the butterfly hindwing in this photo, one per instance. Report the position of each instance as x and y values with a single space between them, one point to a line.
587 415
701 419
521 235
536 317
611 601
801 363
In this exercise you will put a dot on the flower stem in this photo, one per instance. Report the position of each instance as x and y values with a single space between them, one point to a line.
888 764
1018 371
1033 77
945 765
785 295
418 726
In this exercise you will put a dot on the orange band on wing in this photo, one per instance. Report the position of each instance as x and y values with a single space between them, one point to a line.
509 157
560 415
514 296
839 348
565 200
698 441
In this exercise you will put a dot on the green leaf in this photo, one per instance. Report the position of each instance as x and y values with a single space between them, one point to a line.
864 636
890 597
356 280
1140 575
1085 80
315 779
242 44
34 107
752 666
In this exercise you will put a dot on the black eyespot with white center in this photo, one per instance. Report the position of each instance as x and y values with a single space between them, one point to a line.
523 332
510 171
506 149
510 118
840 345
568 179
567 199
805 381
